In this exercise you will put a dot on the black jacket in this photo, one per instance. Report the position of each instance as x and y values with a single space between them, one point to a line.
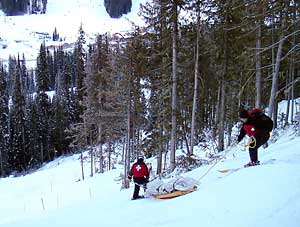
255 126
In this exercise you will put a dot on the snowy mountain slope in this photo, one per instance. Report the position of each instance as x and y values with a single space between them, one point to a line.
24 34
266 195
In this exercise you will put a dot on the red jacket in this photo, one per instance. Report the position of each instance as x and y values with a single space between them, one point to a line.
250 130
256 126
140 170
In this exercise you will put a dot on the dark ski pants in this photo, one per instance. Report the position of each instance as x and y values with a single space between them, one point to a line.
253 149
138 182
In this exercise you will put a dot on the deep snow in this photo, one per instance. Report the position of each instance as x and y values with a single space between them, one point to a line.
266 195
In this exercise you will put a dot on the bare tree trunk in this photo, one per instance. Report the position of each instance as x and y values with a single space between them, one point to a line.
216 115
289 94
128 146
1 164
293 65
92 161
123 150
229 129
101 158
160 153
159 162
275 78
258 66
223 89
174 89
85 133
292 95
109 155
82 169
195 88
275 113
101 167
273 94
42 152
221 118
165 161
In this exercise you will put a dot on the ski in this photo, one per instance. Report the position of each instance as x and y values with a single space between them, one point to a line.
231 170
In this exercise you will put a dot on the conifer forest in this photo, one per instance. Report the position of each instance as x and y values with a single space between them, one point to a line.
175 82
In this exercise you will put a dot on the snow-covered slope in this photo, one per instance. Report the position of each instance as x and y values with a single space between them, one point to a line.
24 34
266 195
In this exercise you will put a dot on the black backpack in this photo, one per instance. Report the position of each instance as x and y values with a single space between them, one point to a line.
266 121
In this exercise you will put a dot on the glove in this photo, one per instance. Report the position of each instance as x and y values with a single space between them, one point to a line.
129 178
239 139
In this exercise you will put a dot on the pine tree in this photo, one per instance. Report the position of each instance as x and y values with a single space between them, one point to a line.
80 74
55 36
105 119
4 131
42 71
58 127
62 109
43 105
163 22
77 129
12 62
18 156
32 133
51 70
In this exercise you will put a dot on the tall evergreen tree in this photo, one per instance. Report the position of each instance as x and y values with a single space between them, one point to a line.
157 16
43 105
18 156
78 128
32 133
4 131
103 108
12 63
80 74
62 109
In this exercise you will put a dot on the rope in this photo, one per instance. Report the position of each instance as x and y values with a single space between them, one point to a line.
251 143
217 161
210 168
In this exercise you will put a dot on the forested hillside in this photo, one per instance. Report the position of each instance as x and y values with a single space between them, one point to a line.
15 7
176 82
115 8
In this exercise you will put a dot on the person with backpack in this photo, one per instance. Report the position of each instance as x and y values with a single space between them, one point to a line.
257 126
140 174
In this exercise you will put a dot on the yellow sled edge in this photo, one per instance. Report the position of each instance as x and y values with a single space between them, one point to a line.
176 193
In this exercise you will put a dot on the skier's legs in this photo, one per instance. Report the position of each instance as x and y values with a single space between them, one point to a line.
253 154
253 149
136 191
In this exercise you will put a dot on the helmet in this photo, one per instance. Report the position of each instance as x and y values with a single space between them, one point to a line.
140 158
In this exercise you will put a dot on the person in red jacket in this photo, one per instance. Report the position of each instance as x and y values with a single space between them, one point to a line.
257 126
140 173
